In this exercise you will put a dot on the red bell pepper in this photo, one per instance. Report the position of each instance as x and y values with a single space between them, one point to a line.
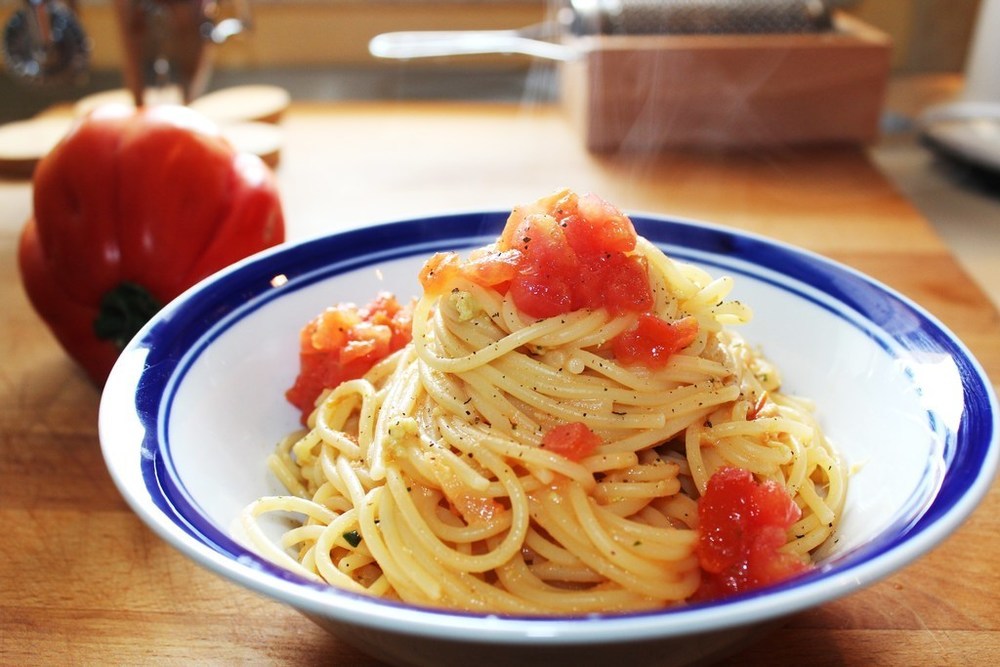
131 208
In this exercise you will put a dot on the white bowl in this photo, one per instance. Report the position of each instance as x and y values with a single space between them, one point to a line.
195 404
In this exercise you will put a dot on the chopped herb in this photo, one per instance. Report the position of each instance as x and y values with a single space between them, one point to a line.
352 537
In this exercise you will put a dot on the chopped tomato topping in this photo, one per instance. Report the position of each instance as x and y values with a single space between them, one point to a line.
489 267
476 509
594 227
344 342
742 527
545 205
543 286
754 410
492 267
575 255
562 253
625 284
438 271
575 440
652 340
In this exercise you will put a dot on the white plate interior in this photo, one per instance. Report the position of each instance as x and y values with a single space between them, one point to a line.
195 405
873 399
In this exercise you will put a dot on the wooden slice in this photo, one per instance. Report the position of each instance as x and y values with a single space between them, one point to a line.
256 103
168 95
264 104
262 139
23 143
245 114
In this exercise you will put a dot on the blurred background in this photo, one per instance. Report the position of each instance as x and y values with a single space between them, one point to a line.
319 50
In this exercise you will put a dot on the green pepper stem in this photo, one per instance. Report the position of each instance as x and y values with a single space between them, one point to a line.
123 311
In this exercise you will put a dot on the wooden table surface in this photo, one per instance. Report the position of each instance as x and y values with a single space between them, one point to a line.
83 581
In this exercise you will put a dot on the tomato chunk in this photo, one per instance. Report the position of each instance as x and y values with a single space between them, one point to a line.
594 227
574 256
438 271
624 283
742 527
574 440
344 342
652 341
492 267
476 509
562 253
544 283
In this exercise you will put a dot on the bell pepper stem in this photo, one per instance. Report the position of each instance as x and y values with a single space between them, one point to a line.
123 311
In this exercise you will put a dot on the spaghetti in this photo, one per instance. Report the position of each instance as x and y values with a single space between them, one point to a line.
510 463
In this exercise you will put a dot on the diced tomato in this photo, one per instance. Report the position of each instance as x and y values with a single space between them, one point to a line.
344 342
491 267
652 341
329 330
438 271
544 205
574 256
742 527
562 253
626 285
475 509
574 440
543 286
541 298
594 227
754 410
366 340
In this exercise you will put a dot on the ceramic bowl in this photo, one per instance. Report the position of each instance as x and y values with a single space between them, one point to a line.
195 404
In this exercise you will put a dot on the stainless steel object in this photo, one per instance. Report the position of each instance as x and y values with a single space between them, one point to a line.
43 42
616 17
169 42
537 40
697 17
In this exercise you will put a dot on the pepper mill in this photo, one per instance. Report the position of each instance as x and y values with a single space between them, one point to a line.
169 42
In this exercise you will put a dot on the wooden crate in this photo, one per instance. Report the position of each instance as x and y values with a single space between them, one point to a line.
647 92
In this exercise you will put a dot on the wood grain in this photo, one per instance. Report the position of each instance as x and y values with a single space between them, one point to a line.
83 581
633 92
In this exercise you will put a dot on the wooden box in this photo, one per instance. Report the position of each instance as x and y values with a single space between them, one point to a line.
647 92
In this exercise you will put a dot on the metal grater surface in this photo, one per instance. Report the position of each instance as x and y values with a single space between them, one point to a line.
656 17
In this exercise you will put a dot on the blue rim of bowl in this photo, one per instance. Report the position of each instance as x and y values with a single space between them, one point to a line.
173 340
